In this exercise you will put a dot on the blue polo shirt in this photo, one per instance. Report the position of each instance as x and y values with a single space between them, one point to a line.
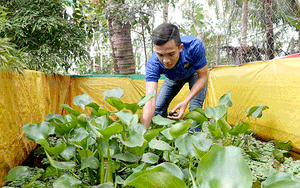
193 53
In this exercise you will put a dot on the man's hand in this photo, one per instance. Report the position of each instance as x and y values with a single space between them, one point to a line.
181 109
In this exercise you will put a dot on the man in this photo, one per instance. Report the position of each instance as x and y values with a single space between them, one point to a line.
181 60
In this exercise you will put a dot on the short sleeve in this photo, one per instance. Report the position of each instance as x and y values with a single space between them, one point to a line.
197 52
152 69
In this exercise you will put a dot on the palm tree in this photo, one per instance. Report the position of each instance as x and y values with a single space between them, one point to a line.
120 38
242 53
269 28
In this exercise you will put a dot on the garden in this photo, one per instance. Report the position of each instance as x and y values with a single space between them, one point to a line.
113 149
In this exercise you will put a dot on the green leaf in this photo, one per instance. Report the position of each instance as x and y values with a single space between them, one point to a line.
159 120
94 106
127 157
239 128
135 137
180 128
283 145
145 99
103 121
105 185
57 149
159 179
17 173
200 110
66 181
222 167
57 118
79 137
185 144
225 127
202 147
50 170
167 134
82 100
38 131
159 145
173 169
90 162
68 153
256 111
114 128
141 167
215 112
150 134
115 102
70 119
102 112
61 165
175 157
150 158
114 147
133 140
125 117
214 129
84 153
281 179
226 100
195 115
138 150
65 128
70 110
116 92
133 107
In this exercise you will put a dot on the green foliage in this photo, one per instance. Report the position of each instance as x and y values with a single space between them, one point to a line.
215 164
10 57
98 150
43 30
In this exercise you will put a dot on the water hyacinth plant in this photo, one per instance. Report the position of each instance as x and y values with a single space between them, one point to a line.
113 149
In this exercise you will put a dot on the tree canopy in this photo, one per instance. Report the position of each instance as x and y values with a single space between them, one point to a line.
42 28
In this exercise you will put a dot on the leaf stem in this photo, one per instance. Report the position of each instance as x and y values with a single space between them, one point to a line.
190 172
101 158
108 177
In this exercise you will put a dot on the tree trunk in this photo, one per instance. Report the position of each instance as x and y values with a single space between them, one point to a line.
120 39
144 43
165 11
218 50
201 35
242 52
269 28
292 46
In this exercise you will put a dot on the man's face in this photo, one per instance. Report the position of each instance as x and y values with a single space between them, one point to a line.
168 54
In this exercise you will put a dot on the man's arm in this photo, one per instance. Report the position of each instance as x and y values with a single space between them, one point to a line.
149 108
200 83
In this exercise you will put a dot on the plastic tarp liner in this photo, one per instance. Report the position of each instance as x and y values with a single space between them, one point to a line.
25 99
134 90
275 83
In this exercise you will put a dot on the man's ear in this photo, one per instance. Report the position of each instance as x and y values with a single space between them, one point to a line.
180 47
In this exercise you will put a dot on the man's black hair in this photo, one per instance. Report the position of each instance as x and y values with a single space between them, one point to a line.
164 33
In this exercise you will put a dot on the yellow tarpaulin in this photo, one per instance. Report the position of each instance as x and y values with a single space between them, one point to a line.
274 83
134 90
25 99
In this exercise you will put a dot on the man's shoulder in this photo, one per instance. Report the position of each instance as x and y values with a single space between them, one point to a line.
191 43
153 60
189 39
